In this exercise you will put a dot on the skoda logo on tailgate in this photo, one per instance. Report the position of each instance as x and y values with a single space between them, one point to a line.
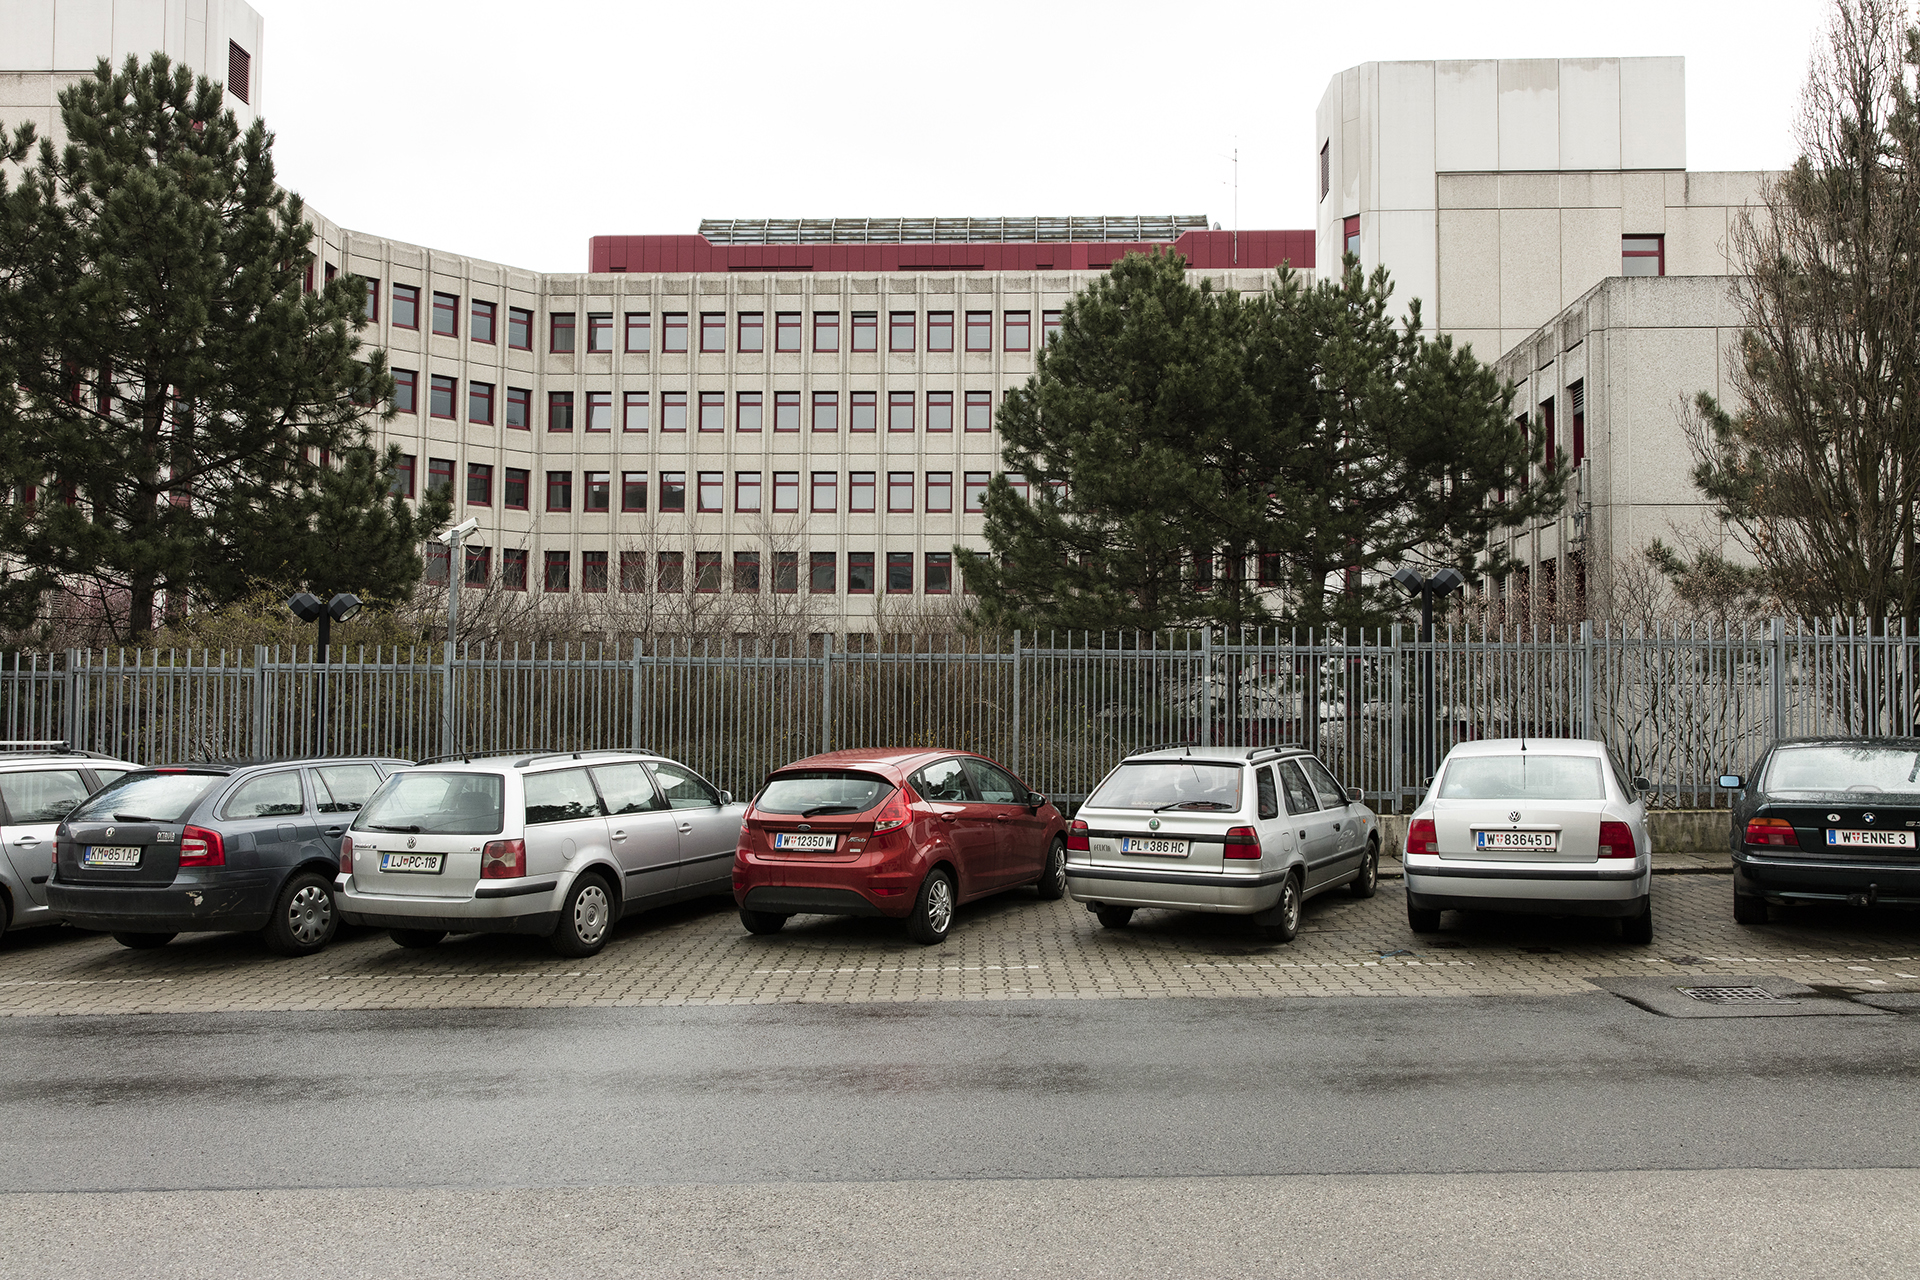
1153 824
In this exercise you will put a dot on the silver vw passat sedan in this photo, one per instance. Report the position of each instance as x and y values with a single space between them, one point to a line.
1547 826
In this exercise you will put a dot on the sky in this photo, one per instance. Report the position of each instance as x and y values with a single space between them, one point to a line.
513 132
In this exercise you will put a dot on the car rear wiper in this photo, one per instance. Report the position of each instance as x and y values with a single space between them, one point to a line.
372 827
133 817
829 808
1193 804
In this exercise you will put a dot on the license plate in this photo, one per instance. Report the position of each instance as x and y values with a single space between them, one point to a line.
1158 848
800 840
111 855
1872 839
421 863
1547 841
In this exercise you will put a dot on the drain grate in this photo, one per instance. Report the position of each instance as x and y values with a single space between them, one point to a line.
1720 995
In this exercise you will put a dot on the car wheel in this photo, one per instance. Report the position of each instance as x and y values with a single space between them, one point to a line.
932 910
303 919
143 941
1363 885
1113 917
1052 884
586 918
1638 928
1749 908
417 939
1423 919
762 921
1284 921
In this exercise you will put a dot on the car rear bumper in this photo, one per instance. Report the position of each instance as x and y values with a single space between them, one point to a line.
799 900
533 908
1792 879
791 888
1246 893
233 902
1573 889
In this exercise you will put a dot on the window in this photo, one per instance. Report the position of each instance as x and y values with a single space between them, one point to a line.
672 566
446 315
939 330
786 331
706 571
939 410
513 489
1015 331
673 411
519 408
480 403
596 493
519 329
746 491
440 475
786 411
639 330
633 491
900 331
826 491
405 389
713 411
633 571
746 411
438 557
1350 236
402 485
593 571
826 331
479 565
974 495
440 393
1578 394
479 484
370 309
713 331
899 490
480 322
513 568
821 572
1550 437
939 573
939 491
673 331
746 571
753 331
239 73
559 410
711 494
1019 486
600 331
560 331
406 306
979 410
826 411
1049 326
559 490
899 573
633 411
786 572
866 331
599 410
1326 167
557 571
1643 255
899 410
860 490
861 413
860 573
979 330
786 491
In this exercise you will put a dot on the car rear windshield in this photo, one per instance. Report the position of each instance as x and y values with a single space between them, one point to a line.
146 797
1882 770
1211 786
819 792
443 804
1524 775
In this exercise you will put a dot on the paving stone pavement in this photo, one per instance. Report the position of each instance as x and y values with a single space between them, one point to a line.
1013 947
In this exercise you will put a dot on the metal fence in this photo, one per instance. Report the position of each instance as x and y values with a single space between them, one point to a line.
1677 706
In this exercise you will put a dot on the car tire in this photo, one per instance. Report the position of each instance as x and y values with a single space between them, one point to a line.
586 918
1364 884
762 921
304 919
143 941
1113 917
1423 919
6 915
1052 884
1638 928
417 939
1749 908
1282 924
932 916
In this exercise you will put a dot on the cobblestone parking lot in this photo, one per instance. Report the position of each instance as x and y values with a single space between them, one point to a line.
1013 947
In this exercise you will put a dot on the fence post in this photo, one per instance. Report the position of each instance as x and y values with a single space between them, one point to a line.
259 735
638 722
1586 679
1014 763
1779 678
1206 685
826 692
70 717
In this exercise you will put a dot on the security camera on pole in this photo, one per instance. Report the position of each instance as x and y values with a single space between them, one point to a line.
454 539
1416 584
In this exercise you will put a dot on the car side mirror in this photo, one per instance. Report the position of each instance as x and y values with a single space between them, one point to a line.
1641 784
726 797
1356 795
1732 781
1036 801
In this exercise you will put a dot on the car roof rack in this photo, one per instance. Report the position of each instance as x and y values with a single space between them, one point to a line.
1160 746
580 755
40 746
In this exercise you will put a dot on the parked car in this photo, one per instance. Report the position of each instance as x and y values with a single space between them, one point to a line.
558 845
240 846
907 834
1547 826
40 783
1253 831
1827 820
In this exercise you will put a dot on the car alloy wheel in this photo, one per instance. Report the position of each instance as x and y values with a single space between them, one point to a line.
1052 885
932 910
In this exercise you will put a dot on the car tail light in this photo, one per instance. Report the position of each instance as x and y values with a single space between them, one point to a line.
1243 842
346 855
894 814
1421 836
1077 836
503 860
1771 833
200 847
1616 841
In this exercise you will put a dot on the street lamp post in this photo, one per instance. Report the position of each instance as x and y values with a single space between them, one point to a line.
1414 583
307 607
455 541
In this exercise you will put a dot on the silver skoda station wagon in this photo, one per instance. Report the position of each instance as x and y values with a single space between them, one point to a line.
1250 831
560 846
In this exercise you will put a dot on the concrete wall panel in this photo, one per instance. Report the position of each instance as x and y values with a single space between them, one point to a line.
1589 249
138 30
1405 107
1529 114
82 32
1653 113
1406 244
1469 286
26 35
1643 204
1589 113
1529 268
1697 241
1467 115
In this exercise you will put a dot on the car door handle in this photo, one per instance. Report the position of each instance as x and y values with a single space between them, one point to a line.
685 827
335 831
1303 835
946 817
1000 817
621 835
27 841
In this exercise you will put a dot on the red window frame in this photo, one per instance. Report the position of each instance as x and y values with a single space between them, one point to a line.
857 562
406 307
710 492
479 482
406 391
559 490
640 326
826 410
599 411
1547 426
402 483
673 411
673 492
866 332
1577 398
786 411
973 493
752 336
746 411
706 572
979 411
786 572
786 331
633 571
440 475
826 331
899 492
862 487
1644 247
822 573
747 492
560 335
673 332
599 332
713 411
1018 484
479 566
1016 330
900 411
443 393
671 572
635 410
596 492
480 318
559 411
513 568
515 478
446 314
786 491
902 330
633 490
940 331
519 329
746 572
939 569
979 330
1049 326
593 571
940 411
439 555
713 332
519 399
1350 236
939 492
370 309
559 568
899 573
480 403
827 484
863 413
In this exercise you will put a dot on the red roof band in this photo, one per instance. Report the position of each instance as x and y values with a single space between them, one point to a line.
1206 250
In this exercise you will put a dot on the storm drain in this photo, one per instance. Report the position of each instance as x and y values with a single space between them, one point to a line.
1732 995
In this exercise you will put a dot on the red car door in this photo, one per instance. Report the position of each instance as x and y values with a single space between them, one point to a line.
969 825
1018 848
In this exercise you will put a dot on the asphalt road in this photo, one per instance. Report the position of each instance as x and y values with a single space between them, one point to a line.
1217 1137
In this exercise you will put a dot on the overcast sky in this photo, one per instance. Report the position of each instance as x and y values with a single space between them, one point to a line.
513 132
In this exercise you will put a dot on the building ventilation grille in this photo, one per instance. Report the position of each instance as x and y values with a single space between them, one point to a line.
947 230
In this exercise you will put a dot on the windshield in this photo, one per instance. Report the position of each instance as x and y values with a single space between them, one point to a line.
1879 770
146 797
813 792
1202 785
442 804
1524 775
